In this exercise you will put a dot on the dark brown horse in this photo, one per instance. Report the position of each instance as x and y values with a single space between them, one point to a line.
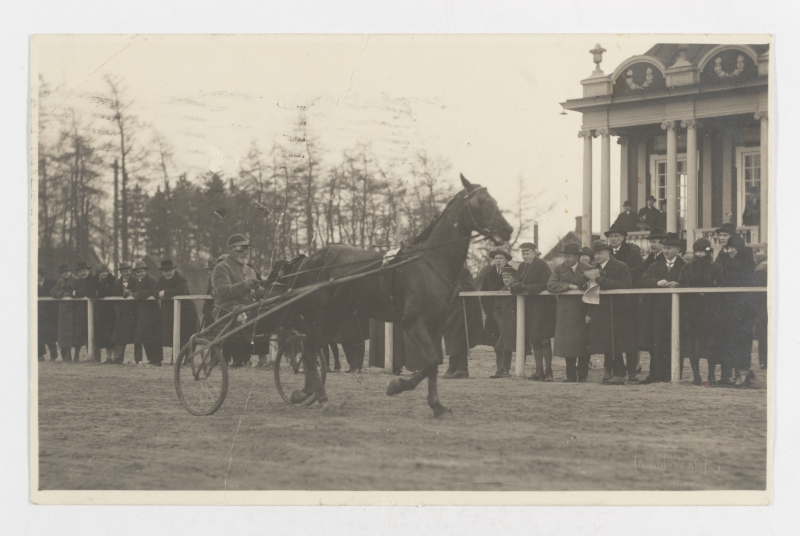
418 294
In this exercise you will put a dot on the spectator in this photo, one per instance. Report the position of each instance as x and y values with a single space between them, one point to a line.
540 311
656 310
125 317
627 219
85 287
571 336
492 281
104 316
698 314
587 257
462 329
505 314
761 312
656 241
171 284
148 315
650 216
47 317
611 321
70 333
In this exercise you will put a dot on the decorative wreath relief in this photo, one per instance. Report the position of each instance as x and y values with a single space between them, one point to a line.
648 79
723 74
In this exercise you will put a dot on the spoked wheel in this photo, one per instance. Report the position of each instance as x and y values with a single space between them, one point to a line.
289 373
201 381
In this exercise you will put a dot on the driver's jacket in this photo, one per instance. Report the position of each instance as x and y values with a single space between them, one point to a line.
230 291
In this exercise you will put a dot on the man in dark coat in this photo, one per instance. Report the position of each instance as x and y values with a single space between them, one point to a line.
171 284
761 310
656 241
571 337
47 318
656 310
492 281
104 315
698 311
611 321
540 311
148 315
505 314
459 336
631 255
70 333
650 216
627 219
85 288
124 316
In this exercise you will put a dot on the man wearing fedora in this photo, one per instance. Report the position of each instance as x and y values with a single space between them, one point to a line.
631 255
492 281
236 285
70 332
627 219
148 315
47 318
540 311
85 287
124 316
611 321
650 216
171 284
104 314
571 337
656 310
656 242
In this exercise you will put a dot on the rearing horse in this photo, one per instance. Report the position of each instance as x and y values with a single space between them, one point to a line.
418 295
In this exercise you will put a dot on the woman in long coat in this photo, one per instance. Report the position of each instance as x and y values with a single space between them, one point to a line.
70 334
492 281
124 315
148 315
571 338
456 332
104 314
171 284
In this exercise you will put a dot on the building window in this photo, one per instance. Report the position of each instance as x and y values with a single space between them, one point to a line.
658 185
748 176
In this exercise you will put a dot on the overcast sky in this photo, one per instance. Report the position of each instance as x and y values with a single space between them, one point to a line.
488 104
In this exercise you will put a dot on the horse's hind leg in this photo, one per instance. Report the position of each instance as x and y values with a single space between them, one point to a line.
313 383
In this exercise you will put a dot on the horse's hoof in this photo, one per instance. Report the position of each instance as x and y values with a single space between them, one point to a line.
395 387
298 396
330 409
440 410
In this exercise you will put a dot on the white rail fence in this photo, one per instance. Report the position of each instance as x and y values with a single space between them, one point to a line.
389 333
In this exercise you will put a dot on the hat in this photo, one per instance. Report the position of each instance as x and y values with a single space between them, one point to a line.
587 251
63 268
571 249
166 265
702 244
83 266
727 228
650 198
238 240
508 270
656 234
140 265
102 268
616 229
124 266
672 240
737 242
496 252
627 204
528 245
599 245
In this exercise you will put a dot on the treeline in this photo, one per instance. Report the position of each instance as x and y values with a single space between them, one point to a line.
109 191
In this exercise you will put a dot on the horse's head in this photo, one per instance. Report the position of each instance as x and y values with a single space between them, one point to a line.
484 216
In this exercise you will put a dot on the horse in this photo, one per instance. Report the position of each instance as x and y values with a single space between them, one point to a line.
417 294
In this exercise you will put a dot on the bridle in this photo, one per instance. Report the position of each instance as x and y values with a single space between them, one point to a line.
472 205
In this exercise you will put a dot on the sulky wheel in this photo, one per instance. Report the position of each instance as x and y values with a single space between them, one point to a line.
201 380
289 374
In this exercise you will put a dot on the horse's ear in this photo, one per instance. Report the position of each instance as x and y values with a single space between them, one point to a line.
467 185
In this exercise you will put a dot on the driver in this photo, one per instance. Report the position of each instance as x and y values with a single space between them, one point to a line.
236 285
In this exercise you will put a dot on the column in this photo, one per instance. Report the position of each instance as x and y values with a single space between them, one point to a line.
707 197
586 229
672 176
605 179
622 141
727 178
691 180
764 194
641 173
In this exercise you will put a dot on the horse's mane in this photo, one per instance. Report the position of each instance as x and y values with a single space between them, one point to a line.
426 232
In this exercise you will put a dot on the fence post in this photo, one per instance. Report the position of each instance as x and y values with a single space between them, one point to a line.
176 328
676 337
388 347
90 331
520 364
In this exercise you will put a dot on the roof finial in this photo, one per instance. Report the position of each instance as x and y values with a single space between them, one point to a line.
597 56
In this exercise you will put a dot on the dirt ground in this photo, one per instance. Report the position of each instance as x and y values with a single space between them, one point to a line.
122 427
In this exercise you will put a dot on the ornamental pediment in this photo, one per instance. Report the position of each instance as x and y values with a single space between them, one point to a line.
639 76
728 67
